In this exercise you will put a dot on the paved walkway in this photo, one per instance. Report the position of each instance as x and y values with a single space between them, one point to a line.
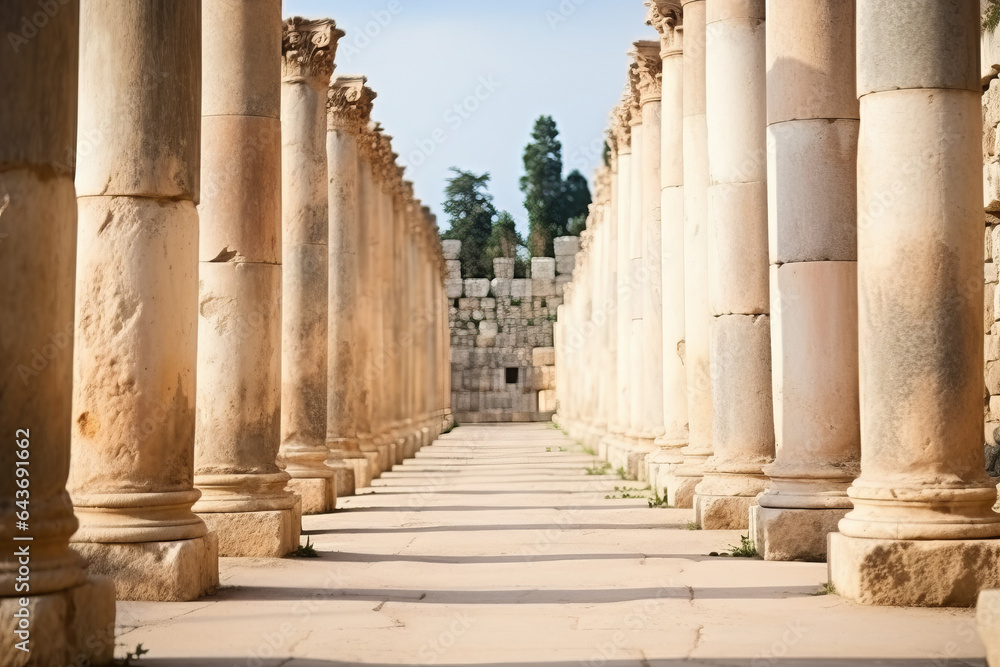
494 547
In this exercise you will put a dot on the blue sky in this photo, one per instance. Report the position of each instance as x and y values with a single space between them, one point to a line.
460 82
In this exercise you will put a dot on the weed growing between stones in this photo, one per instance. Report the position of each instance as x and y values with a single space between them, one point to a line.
306 550
657 500
693 526
622 492
601 468
746 548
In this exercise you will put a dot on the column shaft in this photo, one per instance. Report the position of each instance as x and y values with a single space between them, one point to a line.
697 306
812 176
131 477
74 614
923 502
244 499
665 17
348 112
737 223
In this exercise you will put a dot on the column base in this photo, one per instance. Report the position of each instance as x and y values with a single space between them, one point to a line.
793 534
384 457
680 489
722 501
70 627
660 465
177 571
263 534
913 573
362 471
628 454
318 494
988 621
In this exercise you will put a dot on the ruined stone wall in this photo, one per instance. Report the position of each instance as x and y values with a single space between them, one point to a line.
502 354
991 254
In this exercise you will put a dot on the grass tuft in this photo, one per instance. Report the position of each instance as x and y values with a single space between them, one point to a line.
746 548
306 550
601 468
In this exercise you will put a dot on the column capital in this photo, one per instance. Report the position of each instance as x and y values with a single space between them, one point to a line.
646 73
621 123
308 47
349 103
667 17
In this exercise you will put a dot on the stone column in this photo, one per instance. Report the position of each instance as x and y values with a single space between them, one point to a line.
637 450
308 51
377 243
131 477
610 295
244 499
348 112
367 316
72 615
812 193
738 265
922 531
624 287
651 379
697 307
665 16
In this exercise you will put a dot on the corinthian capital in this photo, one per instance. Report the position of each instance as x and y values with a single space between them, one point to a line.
349 103
666 16
646 73
308 48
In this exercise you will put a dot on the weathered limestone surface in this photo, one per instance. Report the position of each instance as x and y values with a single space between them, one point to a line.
131 477
491 334
931 518
743 431
666 17
812 174
349 109
697 306
239 305
66 607
309 48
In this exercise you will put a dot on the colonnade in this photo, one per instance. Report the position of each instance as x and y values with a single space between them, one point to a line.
260 322
810 216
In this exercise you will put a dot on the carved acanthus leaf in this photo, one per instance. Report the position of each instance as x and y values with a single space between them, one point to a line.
349 103
308 47
647 71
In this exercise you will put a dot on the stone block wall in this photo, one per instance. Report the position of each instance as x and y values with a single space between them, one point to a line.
502 354
991 260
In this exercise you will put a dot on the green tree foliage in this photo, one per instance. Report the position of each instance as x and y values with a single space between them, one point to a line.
471 215
542 185
576 197
991 17
505 239
552 202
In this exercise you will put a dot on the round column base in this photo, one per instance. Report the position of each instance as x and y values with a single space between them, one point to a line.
913 573
177 571
65 626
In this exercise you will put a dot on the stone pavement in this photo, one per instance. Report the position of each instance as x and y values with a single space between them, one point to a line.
494 547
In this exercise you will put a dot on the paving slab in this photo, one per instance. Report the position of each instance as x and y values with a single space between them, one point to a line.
494 547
